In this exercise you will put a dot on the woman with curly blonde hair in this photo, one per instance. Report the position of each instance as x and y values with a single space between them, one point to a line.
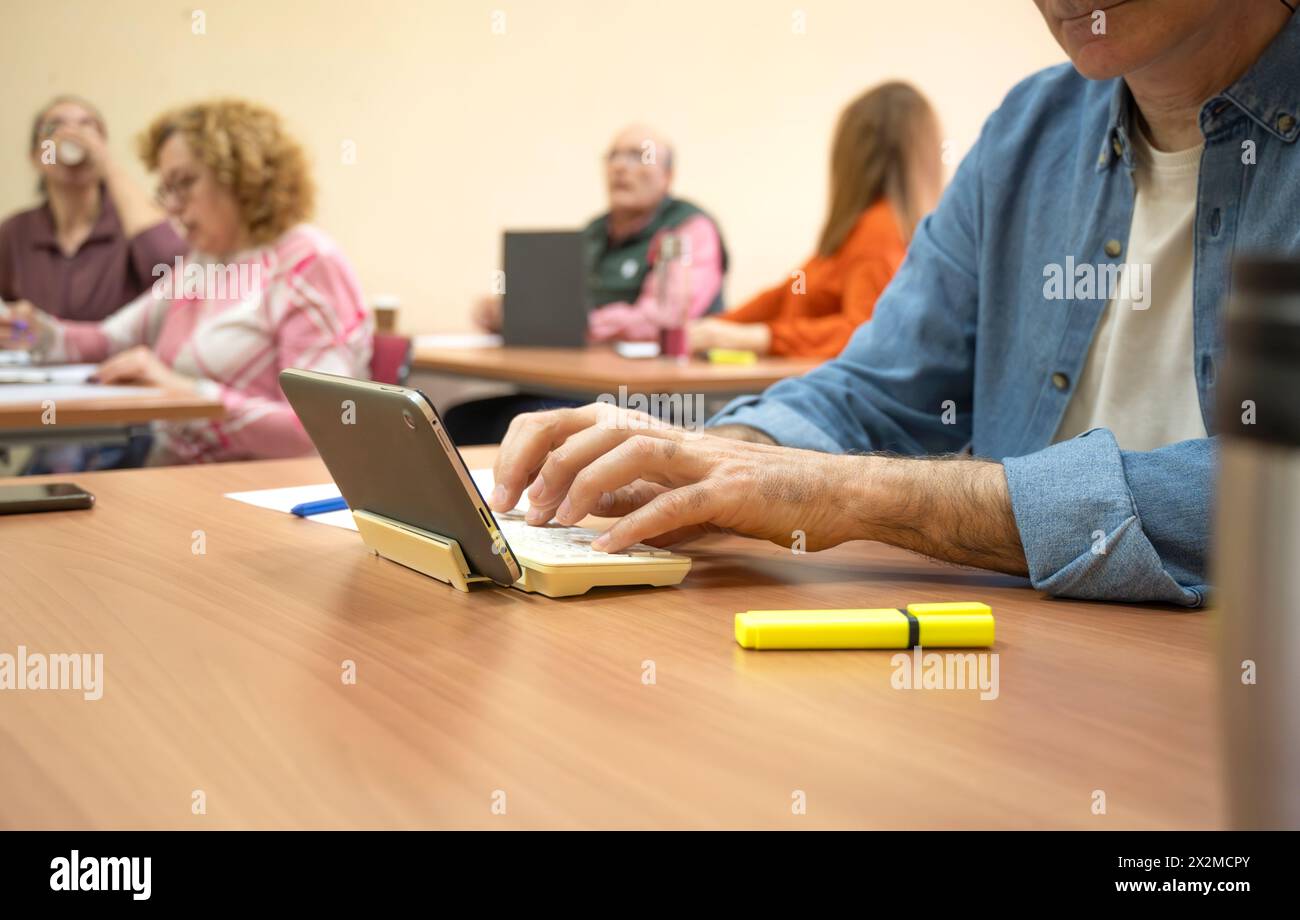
259 291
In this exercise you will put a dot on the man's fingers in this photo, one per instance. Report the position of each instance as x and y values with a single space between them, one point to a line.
678 511
530 438
564 463
655 456
627 499
680 535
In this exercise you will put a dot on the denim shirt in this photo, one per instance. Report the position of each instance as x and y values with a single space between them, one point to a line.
965 350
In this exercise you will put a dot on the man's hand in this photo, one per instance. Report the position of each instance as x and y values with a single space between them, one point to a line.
140 365
487 313
668 484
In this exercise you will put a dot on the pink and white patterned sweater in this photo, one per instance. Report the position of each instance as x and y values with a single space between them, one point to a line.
295 302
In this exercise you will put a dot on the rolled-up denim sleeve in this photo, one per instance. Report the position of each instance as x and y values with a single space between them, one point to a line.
1101 523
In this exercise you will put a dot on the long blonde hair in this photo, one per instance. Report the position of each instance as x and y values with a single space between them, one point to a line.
871 158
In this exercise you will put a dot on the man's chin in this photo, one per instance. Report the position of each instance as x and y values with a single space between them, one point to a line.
1100 60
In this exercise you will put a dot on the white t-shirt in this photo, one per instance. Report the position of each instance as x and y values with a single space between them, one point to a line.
1139 379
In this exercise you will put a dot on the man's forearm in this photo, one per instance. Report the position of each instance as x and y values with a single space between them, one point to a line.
952 508
136 211
955 509
740 433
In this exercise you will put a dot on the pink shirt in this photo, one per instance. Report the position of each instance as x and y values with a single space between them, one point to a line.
293 303
640 320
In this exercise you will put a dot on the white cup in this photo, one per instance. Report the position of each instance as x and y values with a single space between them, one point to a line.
71 153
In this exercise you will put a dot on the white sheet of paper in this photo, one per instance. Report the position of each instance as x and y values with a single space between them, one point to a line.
67 373
54 374
283 500
458 340
13 393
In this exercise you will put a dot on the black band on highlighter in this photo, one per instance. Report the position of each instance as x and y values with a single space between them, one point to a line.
913 628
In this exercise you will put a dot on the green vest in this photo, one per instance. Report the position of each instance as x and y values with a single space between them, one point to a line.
616 272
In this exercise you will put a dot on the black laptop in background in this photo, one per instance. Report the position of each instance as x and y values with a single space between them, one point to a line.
545 303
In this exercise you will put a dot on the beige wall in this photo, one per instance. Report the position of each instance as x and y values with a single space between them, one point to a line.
460 132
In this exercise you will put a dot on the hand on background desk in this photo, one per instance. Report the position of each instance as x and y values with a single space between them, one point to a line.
711 332
140 365
23 327
487 313
667 484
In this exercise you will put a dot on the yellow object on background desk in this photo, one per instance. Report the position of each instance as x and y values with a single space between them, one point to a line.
731 356
967 624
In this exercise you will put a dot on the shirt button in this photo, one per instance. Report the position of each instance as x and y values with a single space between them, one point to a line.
1285 123
1113 248
1215 222
1117 147
1060 381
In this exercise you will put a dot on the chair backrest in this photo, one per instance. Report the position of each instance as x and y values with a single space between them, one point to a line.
390 361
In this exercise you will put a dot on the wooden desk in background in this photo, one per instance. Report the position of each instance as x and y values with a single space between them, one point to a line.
222 673
75 416
588 372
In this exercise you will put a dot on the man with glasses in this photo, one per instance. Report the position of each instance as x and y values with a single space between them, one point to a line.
623 245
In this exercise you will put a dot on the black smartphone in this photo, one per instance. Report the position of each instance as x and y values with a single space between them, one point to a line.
47 496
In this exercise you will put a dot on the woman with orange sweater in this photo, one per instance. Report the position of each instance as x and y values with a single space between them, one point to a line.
886 173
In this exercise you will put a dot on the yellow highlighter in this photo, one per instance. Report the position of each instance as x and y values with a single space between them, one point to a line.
967 624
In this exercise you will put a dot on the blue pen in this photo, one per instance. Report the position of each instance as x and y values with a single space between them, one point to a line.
307 509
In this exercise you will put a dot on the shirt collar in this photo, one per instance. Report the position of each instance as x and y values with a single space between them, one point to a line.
1269 93
640 232
106 229
1116 143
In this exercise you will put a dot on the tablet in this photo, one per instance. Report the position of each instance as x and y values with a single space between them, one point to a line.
388 453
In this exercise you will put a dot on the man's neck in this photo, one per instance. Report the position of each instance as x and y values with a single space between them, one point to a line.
1170 92
624 223
75 209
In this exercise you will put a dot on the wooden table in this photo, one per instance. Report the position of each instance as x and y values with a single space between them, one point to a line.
223 674
105 412
591 371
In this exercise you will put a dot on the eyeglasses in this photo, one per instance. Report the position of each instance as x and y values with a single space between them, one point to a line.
633 156
177 192
51 125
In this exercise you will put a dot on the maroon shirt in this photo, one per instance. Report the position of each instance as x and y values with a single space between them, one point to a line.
107 272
